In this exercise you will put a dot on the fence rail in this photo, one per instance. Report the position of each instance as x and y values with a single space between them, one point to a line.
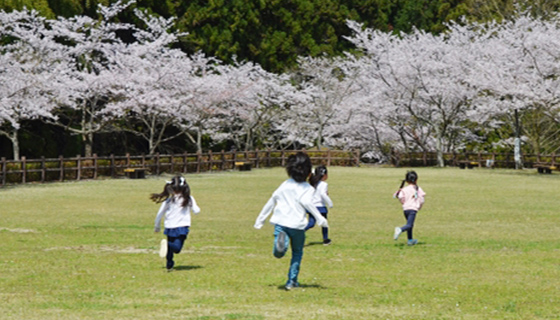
479 159
78 168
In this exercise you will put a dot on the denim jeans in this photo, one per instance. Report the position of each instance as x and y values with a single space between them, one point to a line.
410 216
312 221
174 246
296 239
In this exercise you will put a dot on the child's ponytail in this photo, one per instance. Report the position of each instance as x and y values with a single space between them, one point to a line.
400 188
318 175
178 184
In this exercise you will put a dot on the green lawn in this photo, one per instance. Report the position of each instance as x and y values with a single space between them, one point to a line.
489 249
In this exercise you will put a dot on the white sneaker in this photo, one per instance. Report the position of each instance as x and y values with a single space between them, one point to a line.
398 232
163 248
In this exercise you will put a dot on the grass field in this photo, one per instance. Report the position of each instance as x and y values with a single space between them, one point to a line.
489 249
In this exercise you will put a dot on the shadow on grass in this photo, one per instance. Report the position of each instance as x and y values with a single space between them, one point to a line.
404 244
303 286
314 243
186 268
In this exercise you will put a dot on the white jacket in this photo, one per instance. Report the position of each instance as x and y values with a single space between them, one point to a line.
321 195
288 206
175 214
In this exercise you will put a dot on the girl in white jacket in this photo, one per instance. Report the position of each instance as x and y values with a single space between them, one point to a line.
288 206
177 205
321 199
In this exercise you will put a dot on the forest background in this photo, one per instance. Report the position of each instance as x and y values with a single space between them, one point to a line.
272 34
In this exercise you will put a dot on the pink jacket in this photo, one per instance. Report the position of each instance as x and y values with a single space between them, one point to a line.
411 198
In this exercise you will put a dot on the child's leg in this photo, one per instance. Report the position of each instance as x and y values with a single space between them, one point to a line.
325 230
175 245
311 223
280 249
410 216
297 239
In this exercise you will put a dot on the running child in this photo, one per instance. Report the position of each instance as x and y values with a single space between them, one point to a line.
176 208
321 199
412 198
288 206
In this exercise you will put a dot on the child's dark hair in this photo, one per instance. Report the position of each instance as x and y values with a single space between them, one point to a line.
410 177
318 175
298 166
178 184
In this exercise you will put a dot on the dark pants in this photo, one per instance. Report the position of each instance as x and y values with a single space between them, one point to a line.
312 221
174 246
410 216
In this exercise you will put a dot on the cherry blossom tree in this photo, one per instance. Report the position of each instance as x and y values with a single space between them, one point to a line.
423 81
29 62
254 103
329 86
91 46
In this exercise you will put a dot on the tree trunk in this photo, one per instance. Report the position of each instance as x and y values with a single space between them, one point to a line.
87 139
439 149
15 144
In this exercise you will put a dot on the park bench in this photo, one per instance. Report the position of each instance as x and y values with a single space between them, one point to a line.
468 164
243 166
135 173
545 167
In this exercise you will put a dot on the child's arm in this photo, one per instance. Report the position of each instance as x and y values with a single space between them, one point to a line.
265 212
306 201
321 221
160 214
194 207
421 197
325 196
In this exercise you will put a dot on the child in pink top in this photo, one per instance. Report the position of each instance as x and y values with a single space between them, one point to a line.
412 199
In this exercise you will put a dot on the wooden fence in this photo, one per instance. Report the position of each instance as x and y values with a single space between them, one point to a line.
78 168
476 159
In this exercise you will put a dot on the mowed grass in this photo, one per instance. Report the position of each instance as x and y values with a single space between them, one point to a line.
489 249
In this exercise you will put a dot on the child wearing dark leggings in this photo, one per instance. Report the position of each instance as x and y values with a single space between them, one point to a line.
412 198
177 205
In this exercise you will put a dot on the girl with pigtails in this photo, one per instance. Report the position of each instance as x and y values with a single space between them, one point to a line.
321 199
177 204
412 198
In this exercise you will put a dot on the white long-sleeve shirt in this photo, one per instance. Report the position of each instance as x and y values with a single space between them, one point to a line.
175 214
288 205
321 195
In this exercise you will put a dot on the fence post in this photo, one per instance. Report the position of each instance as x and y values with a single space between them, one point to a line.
257 158
113 169
95 166
185 162
61 168
223 166
234 160
23 169
172 170
43 169
79 167
4 171
282 157
198 159
268 160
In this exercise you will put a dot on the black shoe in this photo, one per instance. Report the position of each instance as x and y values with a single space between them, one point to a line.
326 242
